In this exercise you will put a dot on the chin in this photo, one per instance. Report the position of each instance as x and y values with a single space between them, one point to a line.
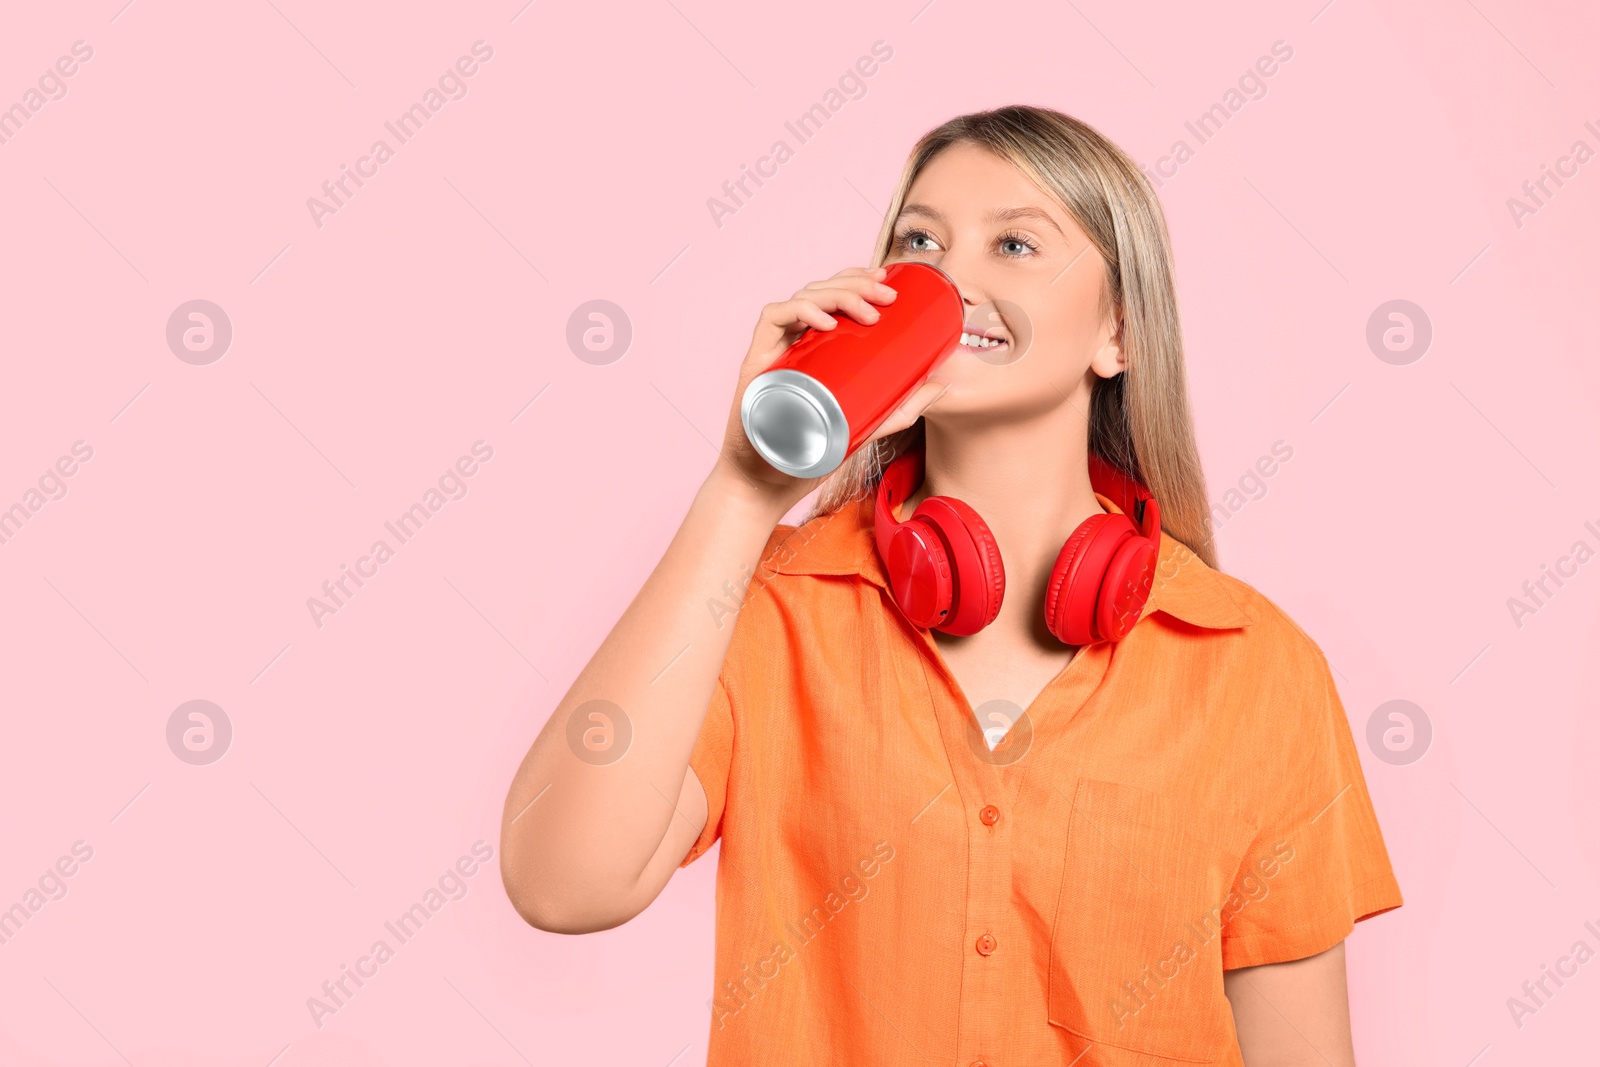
966 401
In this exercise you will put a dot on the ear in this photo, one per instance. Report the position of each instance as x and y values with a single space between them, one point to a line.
1110 360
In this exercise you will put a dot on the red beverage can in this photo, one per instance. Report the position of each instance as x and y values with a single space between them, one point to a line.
831 389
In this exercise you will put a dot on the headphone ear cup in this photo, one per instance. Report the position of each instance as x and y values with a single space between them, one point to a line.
979 574
1125 588
918 568
1058 577
1074 589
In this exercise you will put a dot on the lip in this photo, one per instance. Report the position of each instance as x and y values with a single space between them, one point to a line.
992 335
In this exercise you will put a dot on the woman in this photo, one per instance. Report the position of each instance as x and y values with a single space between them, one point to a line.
999 848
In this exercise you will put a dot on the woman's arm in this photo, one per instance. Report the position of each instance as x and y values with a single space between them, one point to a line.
1293 1014
587 846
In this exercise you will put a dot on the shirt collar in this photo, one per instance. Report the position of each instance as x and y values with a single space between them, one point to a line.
841 543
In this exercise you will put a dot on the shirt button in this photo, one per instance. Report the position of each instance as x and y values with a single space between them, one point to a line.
979 1063
987 944
988 815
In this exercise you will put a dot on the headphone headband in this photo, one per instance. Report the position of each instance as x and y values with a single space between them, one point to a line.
899 482
1133 498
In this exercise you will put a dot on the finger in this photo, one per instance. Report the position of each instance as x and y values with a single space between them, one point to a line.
810 312
867 287
911 409
844 300
781 323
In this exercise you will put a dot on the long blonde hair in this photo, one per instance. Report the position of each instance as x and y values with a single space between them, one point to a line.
1139 420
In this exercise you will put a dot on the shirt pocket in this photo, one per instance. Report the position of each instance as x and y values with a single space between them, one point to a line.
1135 949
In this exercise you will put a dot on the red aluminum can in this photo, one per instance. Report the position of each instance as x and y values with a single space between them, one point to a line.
831 389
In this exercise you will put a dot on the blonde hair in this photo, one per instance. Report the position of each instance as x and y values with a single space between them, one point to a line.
1139 420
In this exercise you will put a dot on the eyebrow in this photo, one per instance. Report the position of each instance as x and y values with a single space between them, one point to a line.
1009 214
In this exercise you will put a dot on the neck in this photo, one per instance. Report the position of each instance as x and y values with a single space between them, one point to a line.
1029 480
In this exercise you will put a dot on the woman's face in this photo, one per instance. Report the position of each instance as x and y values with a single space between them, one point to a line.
1027 275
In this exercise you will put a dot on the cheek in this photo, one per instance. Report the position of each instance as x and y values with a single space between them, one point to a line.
1066 313
1066 337
1062 328
1056 355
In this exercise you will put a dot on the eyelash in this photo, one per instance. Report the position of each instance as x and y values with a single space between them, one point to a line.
903 240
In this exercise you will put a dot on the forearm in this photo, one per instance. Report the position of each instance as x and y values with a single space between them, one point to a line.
577 834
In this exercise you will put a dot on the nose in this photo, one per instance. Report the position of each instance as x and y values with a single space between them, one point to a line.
971 295
962 275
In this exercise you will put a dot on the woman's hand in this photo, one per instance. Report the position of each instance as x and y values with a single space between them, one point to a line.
853 291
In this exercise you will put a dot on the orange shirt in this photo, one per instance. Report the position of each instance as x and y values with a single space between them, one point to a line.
890 891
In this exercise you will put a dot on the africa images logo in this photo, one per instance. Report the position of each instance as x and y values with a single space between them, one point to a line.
452 885
1144 987
736 995
451 85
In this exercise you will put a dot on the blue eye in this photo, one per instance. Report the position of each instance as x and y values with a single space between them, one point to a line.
1013 245
1018 239
904 241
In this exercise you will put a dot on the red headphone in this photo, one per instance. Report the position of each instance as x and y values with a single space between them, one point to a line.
945 571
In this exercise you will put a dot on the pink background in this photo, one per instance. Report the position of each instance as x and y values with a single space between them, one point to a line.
371 352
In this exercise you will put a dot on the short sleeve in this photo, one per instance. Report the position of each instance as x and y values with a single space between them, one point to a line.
1318 864
711 761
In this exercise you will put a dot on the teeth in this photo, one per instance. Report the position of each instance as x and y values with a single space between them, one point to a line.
973 340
